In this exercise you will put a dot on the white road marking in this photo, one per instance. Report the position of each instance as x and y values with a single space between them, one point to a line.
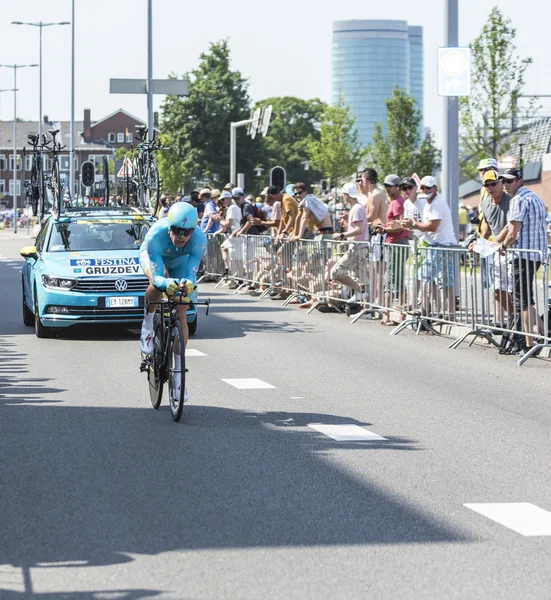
192 352
296 398
11 578
523 517
249 384
346 433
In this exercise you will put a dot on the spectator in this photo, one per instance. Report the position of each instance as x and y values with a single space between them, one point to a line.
373 198
195 201
396 235
350 267
485 165
273 199
463 217
526 230
413 204
163 208
313 216
437 268
247 223
494 208
210 223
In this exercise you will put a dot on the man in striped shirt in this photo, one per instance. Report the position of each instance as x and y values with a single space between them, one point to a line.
526 231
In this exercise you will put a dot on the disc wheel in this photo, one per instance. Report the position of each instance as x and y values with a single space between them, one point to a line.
154 371
35 191
176 371
56 188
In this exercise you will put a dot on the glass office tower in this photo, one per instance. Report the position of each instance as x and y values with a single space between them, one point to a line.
371 57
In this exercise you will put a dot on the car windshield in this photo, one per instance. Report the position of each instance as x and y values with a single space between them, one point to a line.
78 236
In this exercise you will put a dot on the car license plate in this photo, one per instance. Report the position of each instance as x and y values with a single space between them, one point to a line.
121 301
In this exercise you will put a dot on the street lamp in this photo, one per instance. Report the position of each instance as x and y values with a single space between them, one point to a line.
40 25
15 67
521 141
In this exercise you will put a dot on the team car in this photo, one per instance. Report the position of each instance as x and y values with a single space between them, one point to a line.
84 269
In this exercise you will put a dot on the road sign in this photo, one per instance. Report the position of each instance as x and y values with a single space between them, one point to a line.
454 71
173 87
255 124
126 169
266 120
506 162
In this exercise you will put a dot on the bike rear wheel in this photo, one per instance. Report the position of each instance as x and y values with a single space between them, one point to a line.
56 187
152 189
176 371
154 371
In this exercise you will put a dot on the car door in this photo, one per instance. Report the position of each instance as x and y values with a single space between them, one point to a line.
32 265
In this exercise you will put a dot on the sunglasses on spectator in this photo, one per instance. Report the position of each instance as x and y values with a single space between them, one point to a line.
299 193
424 187
407 187
491 184
178 231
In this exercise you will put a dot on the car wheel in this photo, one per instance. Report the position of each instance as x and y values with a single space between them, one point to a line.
39 329
28 317
192 327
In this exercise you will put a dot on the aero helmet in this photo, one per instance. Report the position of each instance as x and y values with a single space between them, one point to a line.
183 214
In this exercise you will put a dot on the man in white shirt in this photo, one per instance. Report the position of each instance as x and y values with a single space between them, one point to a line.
348 269
414 204
438 266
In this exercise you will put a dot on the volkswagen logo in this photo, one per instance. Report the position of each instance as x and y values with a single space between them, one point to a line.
121 285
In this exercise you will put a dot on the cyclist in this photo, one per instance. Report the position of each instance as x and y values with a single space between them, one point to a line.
170 255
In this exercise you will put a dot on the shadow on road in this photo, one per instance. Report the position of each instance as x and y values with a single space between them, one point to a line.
102 484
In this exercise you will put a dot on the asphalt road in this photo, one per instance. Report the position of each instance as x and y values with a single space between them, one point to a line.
103 497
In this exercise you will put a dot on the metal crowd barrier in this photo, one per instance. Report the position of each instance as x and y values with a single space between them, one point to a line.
415 285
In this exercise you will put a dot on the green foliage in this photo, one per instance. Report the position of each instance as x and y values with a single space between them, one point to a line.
337 153
198 126
497 81
120 153
401 150
171 171
295 123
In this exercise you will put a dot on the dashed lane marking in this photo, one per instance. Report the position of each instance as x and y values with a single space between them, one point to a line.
193 352
345 433
249 384
523 517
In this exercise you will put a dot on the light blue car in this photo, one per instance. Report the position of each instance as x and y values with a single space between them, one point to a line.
84 269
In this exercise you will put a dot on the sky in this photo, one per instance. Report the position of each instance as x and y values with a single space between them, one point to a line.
283 48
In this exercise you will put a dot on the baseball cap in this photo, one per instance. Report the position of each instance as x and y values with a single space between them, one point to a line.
487 163
491 175
186 199
229 187
237 191
511 174
408 181
205 191
392 180
428 181
264 191
226 194
351 189
215 193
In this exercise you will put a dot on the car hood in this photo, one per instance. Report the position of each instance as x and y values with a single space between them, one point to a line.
93 264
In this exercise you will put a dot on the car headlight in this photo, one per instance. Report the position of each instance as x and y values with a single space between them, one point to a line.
58 283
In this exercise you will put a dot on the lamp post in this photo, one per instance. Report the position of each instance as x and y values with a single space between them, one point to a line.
40 25
15 67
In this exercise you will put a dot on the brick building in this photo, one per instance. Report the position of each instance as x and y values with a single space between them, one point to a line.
94 140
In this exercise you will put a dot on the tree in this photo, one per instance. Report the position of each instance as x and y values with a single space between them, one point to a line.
295 123
401 150
198 126
338 152
497 82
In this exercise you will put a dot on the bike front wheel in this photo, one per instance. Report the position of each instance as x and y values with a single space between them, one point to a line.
176 371
152 189
154 370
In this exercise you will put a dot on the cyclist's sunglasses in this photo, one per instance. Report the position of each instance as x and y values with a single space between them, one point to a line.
181 230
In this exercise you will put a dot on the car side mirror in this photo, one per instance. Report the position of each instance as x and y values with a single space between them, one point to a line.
29 252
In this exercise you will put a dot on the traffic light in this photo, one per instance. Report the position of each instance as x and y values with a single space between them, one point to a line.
278 177
88 173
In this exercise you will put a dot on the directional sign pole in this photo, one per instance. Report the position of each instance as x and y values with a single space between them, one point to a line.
450 163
